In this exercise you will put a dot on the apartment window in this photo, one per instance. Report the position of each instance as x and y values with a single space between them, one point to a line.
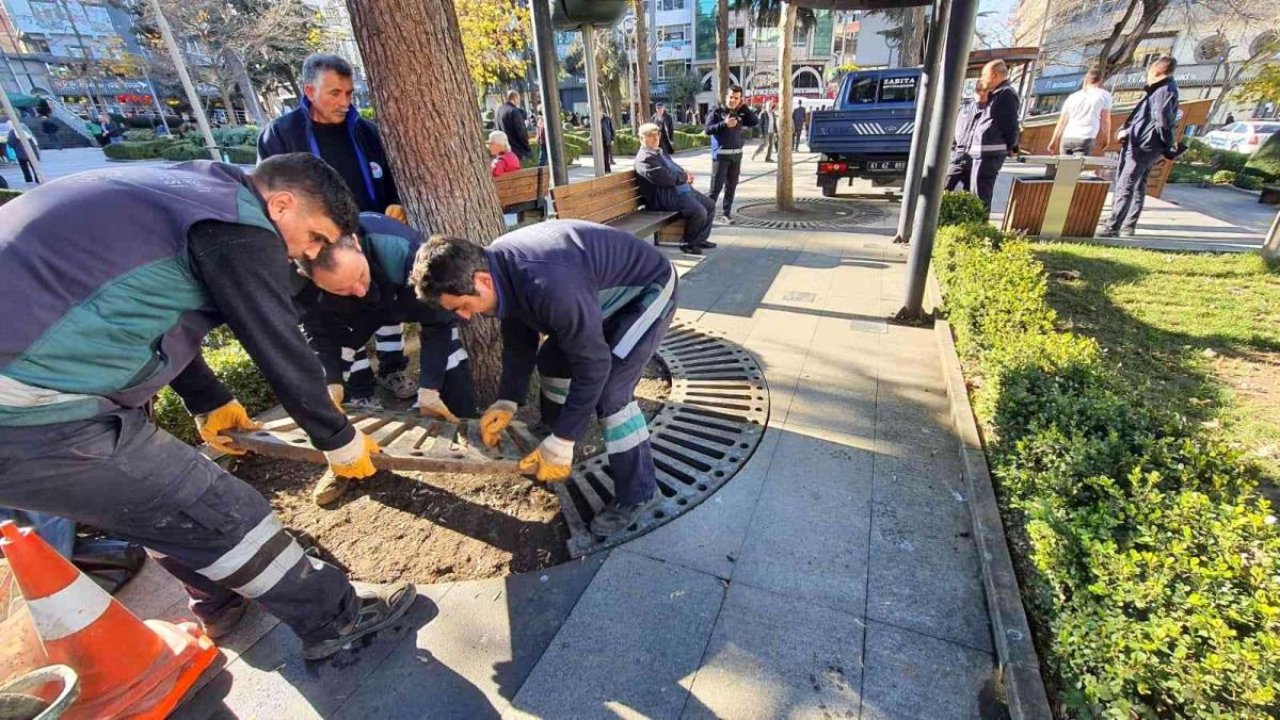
669 5
739 38
35 45
47 14
672 68
674 33
801 38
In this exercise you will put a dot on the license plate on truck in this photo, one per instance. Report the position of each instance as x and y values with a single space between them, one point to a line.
887 165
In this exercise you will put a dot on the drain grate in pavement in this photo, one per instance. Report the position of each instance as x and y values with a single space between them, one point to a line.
812 214
712 423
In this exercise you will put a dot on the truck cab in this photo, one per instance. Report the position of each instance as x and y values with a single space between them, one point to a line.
867 133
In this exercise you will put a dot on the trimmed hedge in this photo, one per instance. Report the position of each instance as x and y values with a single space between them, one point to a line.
6 195
149 150
1150 567
229 361
959 207
1223 177
1264 163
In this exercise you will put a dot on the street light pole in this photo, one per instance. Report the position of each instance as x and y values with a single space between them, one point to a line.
594 110
176 55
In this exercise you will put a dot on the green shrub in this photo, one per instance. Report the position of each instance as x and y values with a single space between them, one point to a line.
139 135
6 195
1227 160
1265 161
626 145
368 114
571 155
1186 173
241 155
688 141
1198 153
1249 182
229 361
230 136
1151 568
149 150
960 207
178 152
1223 177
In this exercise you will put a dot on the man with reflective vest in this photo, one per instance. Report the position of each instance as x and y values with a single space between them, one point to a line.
993 129
603 299
109 281
327 125
361 283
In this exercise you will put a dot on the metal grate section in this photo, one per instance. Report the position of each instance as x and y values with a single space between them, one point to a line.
712 423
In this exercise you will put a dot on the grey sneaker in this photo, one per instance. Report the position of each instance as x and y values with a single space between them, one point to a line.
616 518
400 385
1127 232
380 606
1106 233
369 404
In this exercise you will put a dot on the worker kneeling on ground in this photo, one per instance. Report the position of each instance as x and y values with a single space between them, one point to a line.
109 280
359 284
604 300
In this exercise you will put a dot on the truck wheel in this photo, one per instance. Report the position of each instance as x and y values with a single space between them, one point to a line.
828 191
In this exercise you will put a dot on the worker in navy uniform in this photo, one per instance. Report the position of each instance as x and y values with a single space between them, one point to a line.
109 282
727 127
994 132
603 299
361 283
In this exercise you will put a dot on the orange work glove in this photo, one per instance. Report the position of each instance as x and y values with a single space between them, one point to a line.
231 416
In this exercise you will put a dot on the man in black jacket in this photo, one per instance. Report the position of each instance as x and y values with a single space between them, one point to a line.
769 129
993 132
726 126
667 125
1148 135
328 126
798 116
667 186
606 140
510 119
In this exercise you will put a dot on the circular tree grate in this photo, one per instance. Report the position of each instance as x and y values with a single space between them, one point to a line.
811 214
711 424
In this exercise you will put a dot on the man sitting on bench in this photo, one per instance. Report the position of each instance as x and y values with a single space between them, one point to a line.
666 186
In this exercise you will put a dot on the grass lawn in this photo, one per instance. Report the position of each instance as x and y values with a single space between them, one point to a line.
1201 332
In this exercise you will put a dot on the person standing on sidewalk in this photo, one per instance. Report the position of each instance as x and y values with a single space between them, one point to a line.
603 299
28 172
1147 136
726 126
328 126
510 119
1086 112
769 128
798 116
667 186
606 139
667 125
110 281
994 134
960 165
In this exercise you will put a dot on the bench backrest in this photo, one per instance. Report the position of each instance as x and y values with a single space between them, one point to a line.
522 186
599 200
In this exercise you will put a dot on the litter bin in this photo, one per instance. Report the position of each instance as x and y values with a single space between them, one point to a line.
1060 204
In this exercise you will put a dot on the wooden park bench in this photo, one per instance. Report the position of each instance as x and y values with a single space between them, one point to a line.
1270 195
522 191
615 200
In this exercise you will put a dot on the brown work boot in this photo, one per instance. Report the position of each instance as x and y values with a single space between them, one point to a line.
225 621
329 488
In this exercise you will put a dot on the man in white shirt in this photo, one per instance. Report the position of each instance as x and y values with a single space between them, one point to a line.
1085 112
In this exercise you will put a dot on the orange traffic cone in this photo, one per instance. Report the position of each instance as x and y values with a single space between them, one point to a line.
128 668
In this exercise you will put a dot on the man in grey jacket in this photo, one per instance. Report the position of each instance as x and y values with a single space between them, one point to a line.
1148 135
667 186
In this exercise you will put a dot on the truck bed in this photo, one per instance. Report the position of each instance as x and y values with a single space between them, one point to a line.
865 133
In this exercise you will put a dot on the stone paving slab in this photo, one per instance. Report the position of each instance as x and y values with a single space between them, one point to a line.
771 657
809 536
630 646
909 676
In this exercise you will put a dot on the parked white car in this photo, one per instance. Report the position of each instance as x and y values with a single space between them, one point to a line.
1242 137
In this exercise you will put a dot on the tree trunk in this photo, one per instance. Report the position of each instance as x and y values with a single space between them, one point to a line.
1117 51
786 35
911 53
251 105
419 81
722 49
642 58
227 102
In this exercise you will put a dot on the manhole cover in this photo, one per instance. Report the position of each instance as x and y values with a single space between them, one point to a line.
811 214
711 424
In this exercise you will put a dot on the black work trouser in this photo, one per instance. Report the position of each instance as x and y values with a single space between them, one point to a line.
983 180
724 176
120 473
958 172
1129 190
608 157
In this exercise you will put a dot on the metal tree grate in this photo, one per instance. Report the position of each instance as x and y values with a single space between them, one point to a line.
711 424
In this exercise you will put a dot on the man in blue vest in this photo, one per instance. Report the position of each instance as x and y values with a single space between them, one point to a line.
361 283
327 125
604 299
727 127
109 281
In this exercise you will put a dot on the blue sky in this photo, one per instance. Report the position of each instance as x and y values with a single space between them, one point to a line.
999 12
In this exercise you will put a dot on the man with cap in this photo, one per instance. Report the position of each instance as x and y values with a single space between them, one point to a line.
109 281
667 186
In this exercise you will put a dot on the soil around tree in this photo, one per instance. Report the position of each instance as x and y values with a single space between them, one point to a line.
434 527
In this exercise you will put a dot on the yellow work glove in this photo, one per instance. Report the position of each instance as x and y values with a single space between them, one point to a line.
336 393
354 461
495 420
231 416
551 462
430 405
396 212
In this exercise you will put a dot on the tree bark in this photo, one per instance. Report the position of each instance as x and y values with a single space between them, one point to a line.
1117 51
225 89
642 58
421 87
251 105
722 49
911 52
786 35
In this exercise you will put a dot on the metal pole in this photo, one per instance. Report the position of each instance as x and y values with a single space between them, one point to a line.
652 41
544 49
942 128
155 98
88 57
21 133
595 111
176 55
926 95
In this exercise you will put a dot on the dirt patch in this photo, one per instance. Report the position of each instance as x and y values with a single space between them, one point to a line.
434 527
